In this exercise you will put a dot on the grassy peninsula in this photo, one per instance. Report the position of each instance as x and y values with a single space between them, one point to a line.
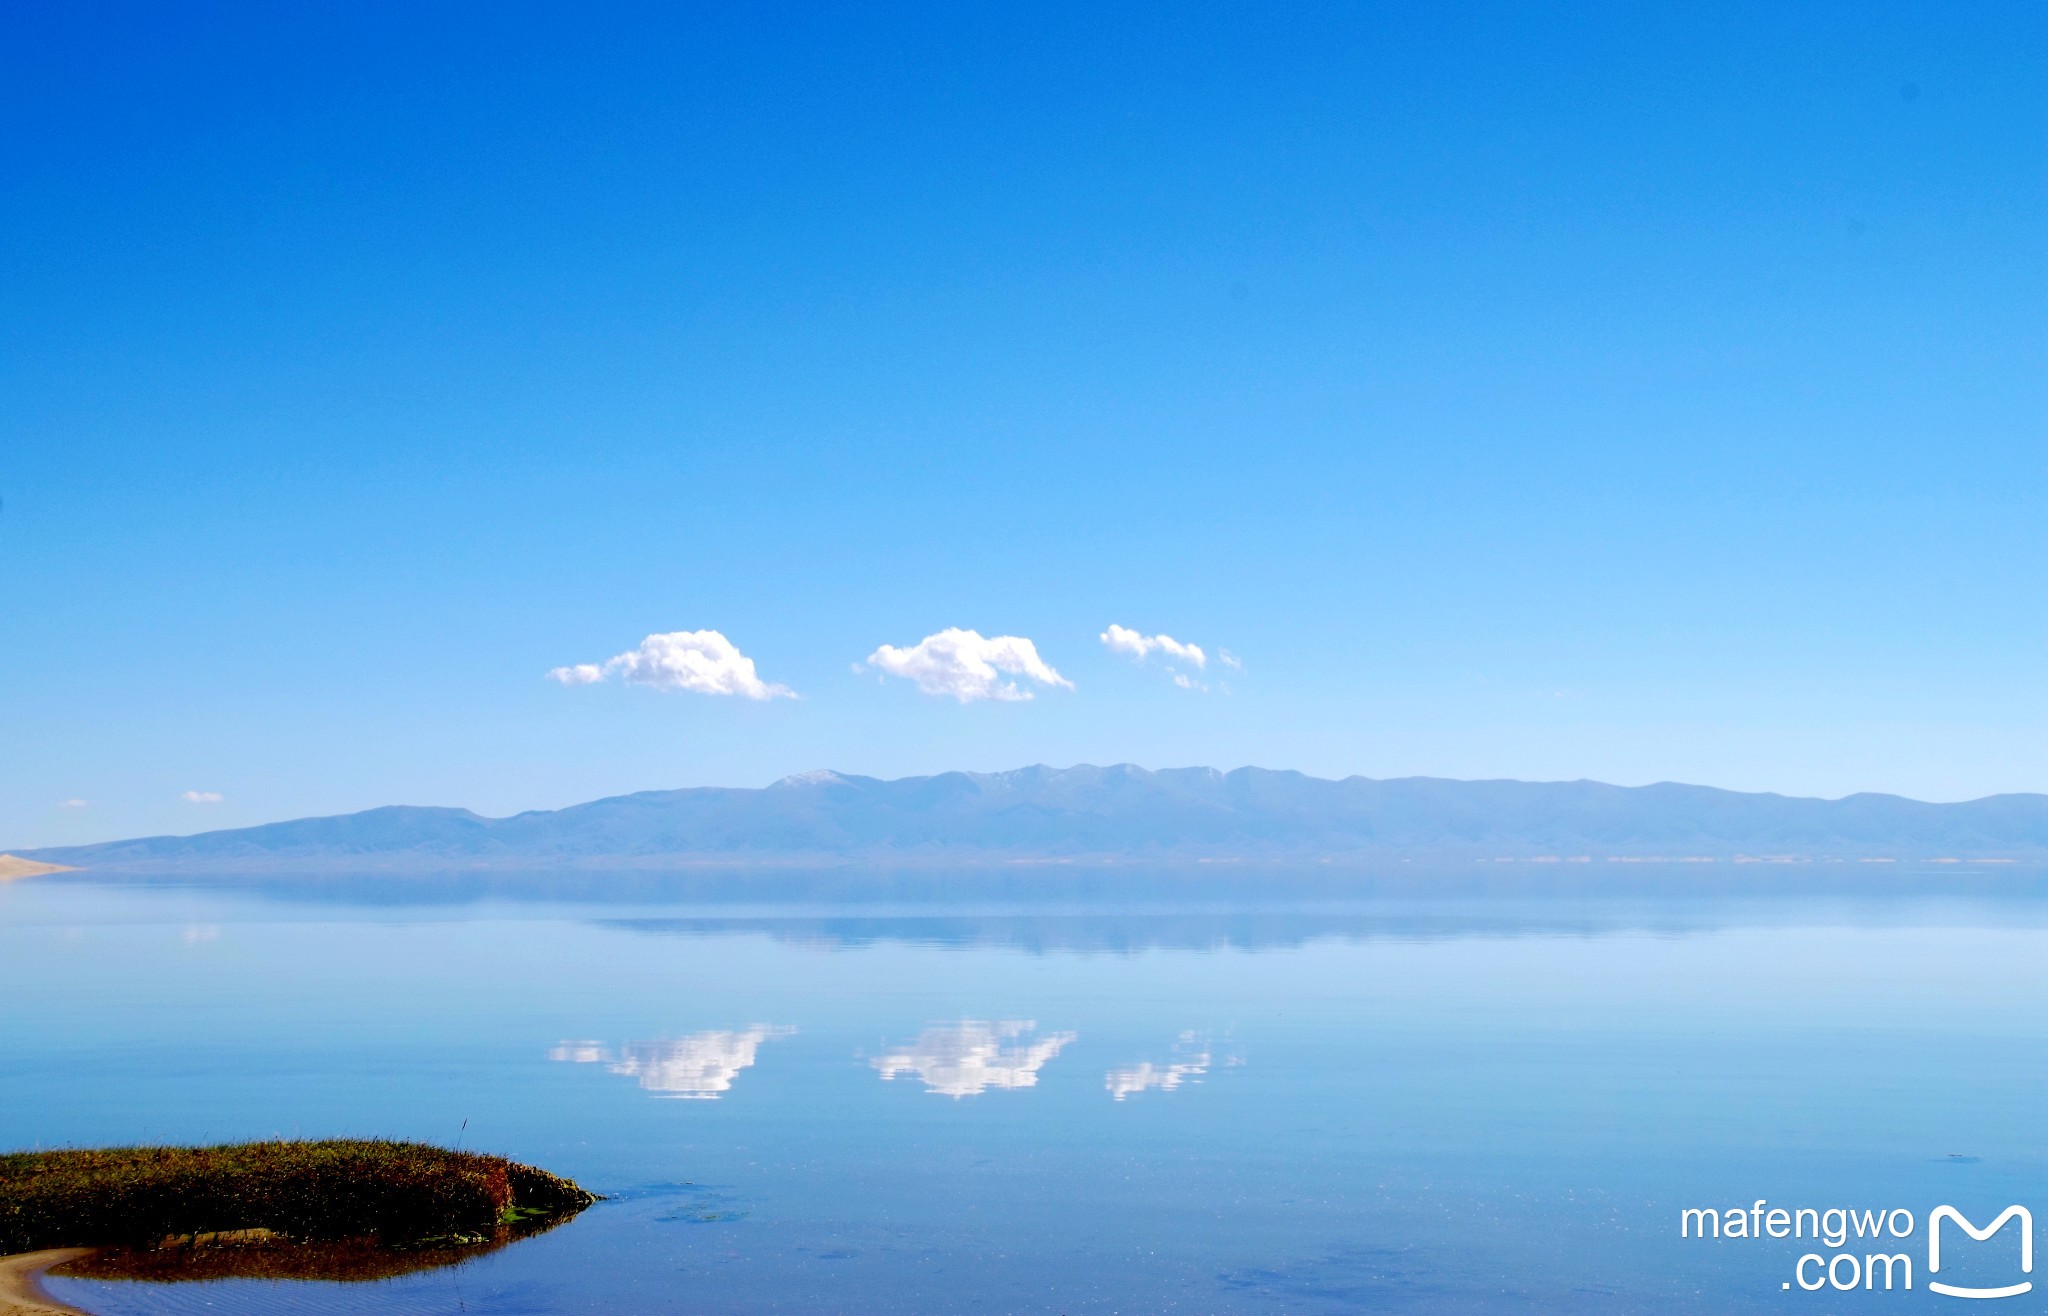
393 1194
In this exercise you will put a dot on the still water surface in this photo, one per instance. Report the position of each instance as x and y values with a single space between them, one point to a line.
1475 1105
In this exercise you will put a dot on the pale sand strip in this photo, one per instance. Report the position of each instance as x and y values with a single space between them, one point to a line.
21 1293
12 867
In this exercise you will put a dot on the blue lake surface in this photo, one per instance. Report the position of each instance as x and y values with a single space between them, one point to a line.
1477 1104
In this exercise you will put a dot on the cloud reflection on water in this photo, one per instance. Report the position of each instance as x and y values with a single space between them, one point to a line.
974 1055
1191 1061
699 1067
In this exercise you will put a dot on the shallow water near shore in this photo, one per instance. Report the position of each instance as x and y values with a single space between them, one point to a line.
1494 1103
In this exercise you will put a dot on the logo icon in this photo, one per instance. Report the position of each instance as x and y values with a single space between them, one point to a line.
2011 1213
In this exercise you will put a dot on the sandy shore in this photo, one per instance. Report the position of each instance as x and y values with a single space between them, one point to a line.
21 1293
12 867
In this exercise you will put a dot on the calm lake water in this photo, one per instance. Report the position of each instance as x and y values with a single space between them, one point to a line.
1479 1104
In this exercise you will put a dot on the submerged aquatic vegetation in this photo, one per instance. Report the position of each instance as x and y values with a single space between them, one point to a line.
394 1194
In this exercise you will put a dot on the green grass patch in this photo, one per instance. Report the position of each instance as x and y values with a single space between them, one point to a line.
395 1194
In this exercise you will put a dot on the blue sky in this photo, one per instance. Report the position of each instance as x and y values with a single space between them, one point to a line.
1535 391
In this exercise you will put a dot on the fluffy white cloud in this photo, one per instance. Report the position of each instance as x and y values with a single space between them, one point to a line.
967 666
968 1058
202 797
704 662
1122 639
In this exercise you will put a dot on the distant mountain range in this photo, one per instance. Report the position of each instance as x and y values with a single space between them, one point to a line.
1113 815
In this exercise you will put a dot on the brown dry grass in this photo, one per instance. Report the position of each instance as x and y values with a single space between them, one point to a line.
395 1194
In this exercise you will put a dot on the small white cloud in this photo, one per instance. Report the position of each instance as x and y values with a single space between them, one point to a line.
72 804
1122 639
967 666
1172 652
1230 660
703 662
202 797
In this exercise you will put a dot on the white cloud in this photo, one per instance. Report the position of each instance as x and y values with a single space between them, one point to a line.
1230 660
968 1058
72 804
1139 647
699 1067
966 666
202 797
704 662
1122 639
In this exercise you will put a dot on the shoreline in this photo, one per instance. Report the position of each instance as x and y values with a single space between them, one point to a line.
21 1288
14 866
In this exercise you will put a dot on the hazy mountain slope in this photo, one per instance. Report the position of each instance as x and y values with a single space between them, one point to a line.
1124 812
